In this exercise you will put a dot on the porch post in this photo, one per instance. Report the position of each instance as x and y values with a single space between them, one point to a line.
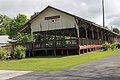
78 36
32 37
113 39
32 48
110 38
29 53
98 36
101 35
86 43
86 32
92 36
46 52
55 45
105 37
61 51
92 33
32 44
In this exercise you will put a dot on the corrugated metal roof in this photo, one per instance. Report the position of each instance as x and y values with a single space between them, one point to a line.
4 39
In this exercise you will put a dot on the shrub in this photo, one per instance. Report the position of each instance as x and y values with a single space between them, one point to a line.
106 46
118 45
113 46
19 52
4 54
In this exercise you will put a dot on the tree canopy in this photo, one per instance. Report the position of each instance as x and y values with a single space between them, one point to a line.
8 26
4 24
116 30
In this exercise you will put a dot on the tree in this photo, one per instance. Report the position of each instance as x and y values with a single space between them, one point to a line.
23 37
16 23
116 30
8 26
4 24
42 37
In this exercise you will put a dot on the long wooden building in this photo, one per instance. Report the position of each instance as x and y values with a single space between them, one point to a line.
64 34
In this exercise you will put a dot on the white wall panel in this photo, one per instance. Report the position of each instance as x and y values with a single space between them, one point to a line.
65 21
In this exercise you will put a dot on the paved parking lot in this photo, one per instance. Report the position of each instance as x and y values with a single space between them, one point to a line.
107 68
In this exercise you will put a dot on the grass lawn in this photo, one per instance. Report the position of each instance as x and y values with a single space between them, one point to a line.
53 63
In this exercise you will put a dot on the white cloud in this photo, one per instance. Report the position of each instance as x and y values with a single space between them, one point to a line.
88 9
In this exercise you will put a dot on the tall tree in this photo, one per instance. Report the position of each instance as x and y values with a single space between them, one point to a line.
4 24
16 23
8 26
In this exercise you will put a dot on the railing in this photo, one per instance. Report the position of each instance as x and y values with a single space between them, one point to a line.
68 43
27 45
84 41
55 44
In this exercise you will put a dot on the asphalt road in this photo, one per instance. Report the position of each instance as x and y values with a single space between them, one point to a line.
107 68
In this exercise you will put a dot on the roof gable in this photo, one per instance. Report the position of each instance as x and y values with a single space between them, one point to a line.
77 17
51 8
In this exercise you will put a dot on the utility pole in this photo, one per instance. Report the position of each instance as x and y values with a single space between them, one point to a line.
103 10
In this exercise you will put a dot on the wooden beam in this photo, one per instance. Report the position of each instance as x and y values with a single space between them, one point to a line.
78 35
86 32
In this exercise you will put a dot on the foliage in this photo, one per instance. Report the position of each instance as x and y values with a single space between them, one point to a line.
4 24
106 46
116 30
40 37
19 52
23 37
16 23
8 26
113 46
54 63
4 54
118 45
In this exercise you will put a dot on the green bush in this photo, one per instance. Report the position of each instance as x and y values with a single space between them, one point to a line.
118 45
19 52
113 46
4 54
106 46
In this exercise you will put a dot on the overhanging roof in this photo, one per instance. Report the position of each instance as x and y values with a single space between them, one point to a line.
4 39
27 27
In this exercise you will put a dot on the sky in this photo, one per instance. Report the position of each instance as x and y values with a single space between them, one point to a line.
87 9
